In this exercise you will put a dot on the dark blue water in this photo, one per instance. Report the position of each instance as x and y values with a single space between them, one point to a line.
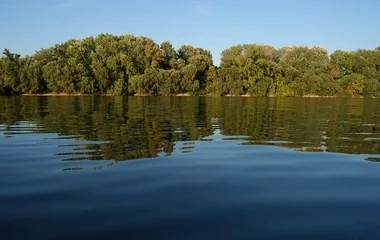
189 168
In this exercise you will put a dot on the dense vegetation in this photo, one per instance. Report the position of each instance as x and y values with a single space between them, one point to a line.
121 65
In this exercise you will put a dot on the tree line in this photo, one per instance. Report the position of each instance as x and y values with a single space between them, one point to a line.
136 65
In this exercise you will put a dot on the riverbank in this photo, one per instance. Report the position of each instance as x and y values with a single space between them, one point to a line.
84 94
177 95
56 94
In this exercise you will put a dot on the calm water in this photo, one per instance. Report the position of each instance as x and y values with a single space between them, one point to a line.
189 168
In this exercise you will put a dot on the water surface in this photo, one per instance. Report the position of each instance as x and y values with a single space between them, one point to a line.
189 168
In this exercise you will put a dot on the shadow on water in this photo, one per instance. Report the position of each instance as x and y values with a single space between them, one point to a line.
115 129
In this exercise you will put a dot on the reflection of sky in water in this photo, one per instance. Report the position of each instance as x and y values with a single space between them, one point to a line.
29 139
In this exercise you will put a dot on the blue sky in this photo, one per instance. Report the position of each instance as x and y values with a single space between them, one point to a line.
28 25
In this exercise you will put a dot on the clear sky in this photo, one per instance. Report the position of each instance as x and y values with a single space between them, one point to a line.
28 25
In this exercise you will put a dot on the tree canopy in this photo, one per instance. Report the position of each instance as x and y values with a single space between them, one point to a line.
130 65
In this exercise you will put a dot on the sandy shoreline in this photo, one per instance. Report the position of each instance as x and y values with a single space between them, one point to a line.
55 94
171 95
85 94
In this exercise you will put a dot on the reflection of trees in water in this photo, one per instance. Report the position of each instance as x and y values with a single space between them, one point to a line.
333 125
138 127
143 127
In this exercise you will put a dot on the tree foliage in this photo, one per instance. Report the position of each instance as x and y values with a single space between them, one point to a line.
127 64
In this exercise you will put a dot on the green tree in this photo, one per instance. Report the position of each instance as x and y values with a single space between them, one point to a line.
11 66
353 84
127 64
169 55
